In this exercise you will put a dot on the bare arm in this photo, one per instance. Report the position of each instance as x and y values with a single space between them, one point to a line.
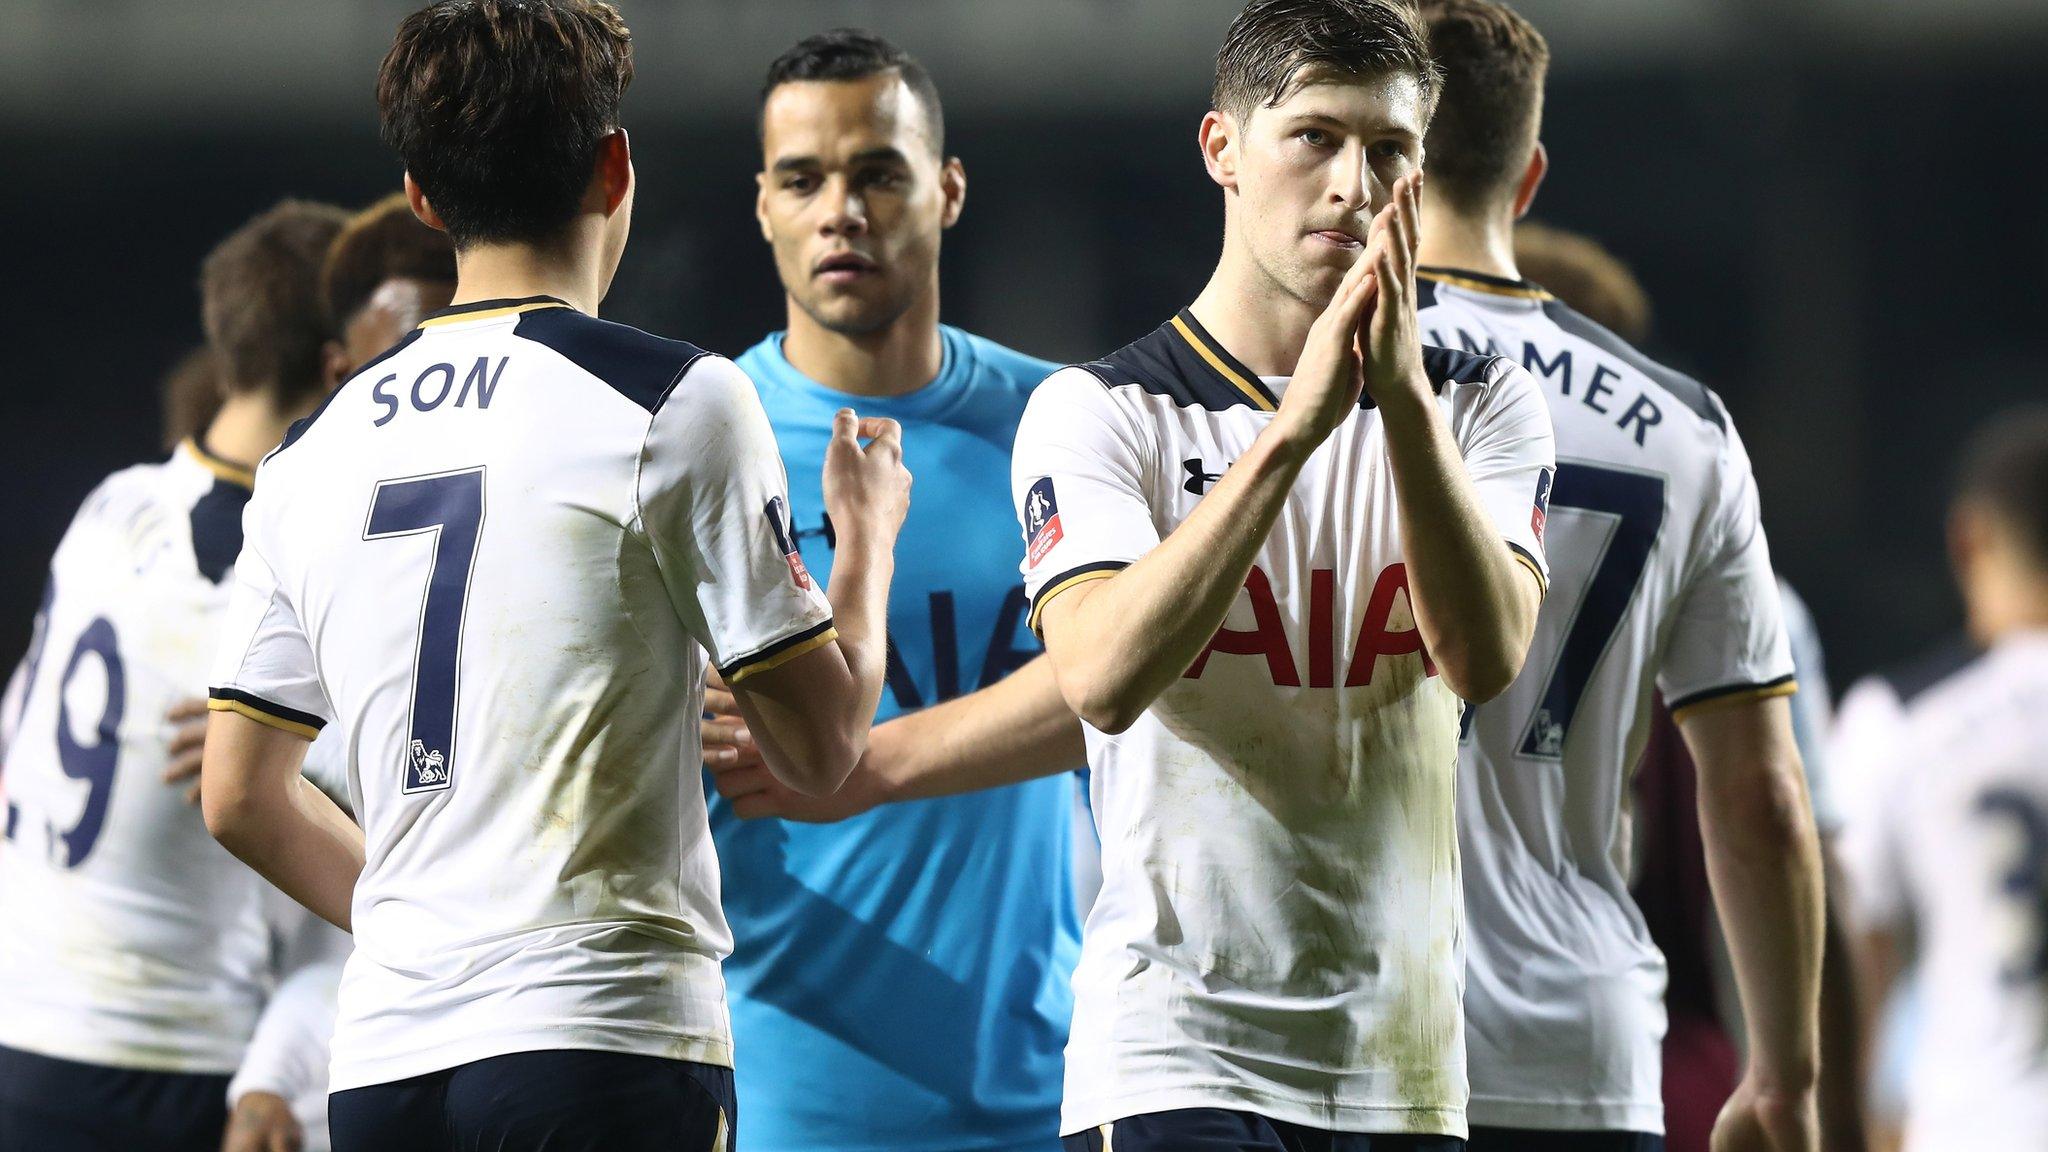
810 715
1116 644
259 807
1475 602
1763 860
1016 729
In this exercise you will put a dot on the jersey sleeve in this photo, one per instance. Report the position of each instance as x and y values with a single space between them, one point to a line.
714 502
1077 477
264 668
287 1055
1727 640
1511 456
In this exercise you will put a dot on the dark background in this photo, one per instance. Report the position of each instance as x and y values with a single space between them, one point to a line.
1841 229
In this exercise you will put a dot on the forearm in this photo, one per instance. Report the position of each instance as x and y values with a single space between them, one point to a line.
810 716
1763 861
1016 729
1116 648
295 837
861 570
1474 601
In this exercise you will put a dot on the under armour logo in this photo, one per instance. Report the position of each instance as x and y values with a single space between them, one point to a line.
1198 481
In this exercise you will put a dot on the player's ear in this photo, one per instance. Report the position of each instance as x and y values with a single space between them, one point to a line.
334 365
417 198
953 189
1532 179
761 205
1218 140
614 169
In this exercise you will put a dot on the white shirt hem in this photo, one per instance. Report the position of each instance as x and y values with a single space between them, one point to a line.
1093 1112
1567 1115
715 1050
135 1055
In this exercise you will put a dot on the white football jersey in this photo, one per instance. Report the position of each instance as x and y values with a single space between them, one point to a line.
495 560
1661 580
128 937
1956 855
1278 929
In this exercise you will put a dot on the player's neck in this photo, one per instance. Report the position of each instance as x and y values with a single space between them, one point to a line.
893 361
248 426
1452 239
568 271
1255 318
2009 602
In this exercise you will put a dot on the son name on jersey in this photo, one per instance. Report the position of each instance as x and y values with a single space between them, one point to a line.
431 388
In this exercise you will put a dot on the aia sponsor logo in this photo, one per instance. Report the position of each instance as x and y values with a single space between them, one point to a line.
1041 521
1380 633
785 539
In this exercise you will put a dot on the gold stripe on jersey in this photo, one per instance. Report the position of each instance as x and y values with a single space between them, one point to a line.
1530 292
241 708
222 469
776 659
487 313
1252 392
1715 699
1046 594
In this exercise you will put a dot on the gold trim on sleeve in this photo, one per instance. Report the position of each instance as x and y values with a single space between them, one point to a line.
264 718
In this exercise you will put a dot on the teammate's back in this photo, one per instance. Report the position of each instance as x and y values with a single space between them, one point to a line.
1660 580
497 560
1949 863
132 939
461 534
136 958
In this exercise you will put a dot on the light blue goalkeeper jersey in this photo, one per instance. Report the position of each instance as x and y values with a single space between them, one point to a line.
899 981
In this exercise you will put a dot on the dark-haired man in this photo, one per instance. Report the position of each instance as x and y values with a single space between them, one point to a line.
1663 581
496 559
136 956
1952 864
1244 531
900 979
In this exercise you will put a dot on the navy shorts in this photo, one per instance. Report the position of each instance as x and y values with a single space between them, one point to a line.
51 1105
553 1101
1537 1140
1222 1130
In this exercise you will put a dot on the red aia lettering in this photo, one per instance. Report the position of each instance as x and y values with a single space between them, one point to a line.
1268 638
1268 635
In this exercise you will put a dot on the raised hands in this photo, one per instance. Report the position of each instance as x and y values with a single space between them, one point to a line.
1365 341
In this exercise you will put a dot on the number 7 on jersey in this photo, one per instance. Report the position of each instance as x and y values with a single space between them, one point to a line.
449 507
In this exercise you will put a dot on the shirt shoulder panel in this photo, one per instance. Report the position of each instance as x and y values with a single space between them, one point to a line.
1447 366
1177 360
637 365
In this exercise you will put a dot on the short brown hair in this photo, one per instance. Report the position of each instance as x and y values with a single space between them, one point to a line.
259 293
498 107
1584 274
1272 41
2005 469
383 242
191 395
1494 64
